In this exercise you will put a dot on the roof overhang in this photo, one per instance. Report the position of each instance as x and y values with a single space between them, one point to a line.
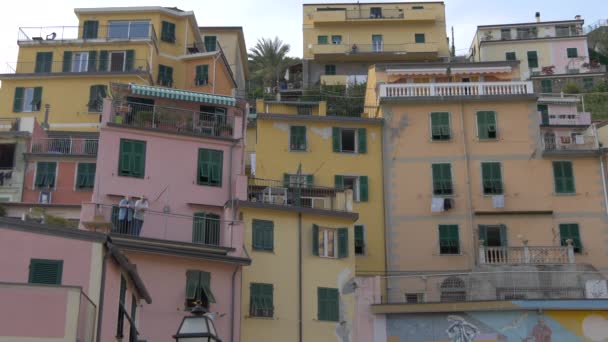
183 95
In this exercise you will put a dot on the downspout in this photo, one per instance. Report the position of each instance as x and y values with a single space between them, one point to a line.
232 310
214 63
603 170
186 38
300 277
468 181
385 178
101 295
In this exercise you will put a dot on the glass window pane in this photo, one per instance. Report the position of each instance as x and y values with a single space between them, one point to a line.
118 29
28 98
139 29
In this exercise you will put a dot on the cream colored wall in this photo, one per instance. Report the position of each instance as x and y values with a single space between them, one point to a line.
527 178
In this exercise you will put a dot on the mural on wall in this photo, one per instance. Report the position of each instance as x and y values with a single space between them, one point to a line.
507 326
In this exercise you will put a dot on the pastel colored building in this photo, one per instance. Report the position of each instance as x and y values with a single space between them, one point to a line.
184 151
14 142
61 284
482 212
341 40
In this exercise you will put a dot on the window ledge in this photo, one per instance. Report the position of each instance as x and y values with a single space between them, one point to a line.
262 318
444 196
442 141
300 151
263 251
492 195
488 140
325 321
565 194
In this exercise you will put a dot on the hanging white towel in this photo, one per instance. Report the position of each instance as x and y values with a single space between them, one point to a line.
437 204
580 140
498 201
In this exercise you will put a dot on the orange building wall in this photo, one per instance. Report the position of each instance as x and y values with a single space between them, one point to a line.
65 183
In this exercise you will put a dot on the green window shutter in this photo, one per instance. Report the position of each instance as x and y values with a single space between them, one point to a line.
442 179
570 231
491 178
310 180
44 62
419 38
217 162
330 69
45 174
67 61
160 78
261 300
37 99
104 60
339 182
448 239
85 177
321 40
167 32
362 140
440 126
563 176
210 167
202 75
510 56
93 91
321 304
41 171
286 178
335 132
90 29
315 239
328 304
206 285
128 164
359 239
139 159
263 235
363 189
343 243
18 99
210 43
297 138
572 52
130 62
92 66
486 125
532 59
546 86
44 271
192 284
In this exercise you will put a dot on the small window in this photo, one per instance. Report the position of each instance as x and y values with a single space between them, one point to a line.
419 38
261 300
263 235
206 229
45 271
453 289
510 56
165 76
210 167
448 239
132 159
85 178
532 59
322 40
491 176
505 34
45 175
563 176
572 52
202 75
291 180
89 29
198 288
546 86
486 125
587 83
210 43
442 179
328 304
337 39
330 242
167 33
96 95
27 99
80 62
375 12
359 239
417 7
350 140
359 185
570 232
297 138
44 62
414 298
440 126
330 69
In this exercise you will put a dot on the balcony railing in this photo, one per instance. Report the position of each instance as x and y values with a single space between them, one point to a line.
118 32
201 229
584 142
58 311
576 119
65 146
172 120
368 14
403 90
76 67
354 48
298 195
9 125
526 255
488 286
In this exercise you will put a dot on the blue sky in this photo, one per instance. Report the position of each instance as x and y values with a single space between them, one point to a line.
283 18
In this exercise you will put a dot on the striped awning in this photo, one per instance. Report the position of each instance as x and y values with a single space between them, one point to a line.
453 71
183 95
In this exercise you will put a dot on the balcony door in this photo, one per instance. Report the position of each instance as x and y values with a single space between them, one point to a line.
495 240
117 61
544 113
80 62
377 45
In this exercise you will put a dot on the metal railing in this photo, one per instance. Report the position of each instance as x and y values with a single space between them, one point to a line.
576 142
404 90
125 30
355 48
67 145
580 119
87 311
526 255
174 120
9 125
198 229
368 14
489 286
138 65
298 194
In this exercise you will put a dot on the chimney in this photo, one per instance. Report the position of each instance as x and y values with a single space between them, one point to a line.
578 17
538 17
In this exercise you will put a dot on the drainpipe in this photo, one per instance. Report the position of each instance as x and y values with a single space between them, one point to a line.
300 277
232 310
214 63
603 170
468 181
101 295
186 38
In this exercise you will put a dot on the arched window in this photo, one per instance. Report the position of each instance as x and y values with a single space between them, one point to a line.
453 289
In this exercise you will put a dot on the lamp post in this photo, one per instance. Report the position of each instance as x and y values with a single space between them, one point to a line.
197 328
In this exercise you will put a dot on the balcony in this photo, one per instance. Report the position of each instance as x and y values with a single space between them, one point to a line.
55 68
119 32
575 119
68 146
206 231
558 143
526 255
334 15
9 125
172 120
33 312
302 195
440 90
380 48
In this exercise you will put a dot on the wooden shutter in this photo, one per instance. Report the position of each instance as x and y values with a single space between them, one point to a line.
104 60
90 29
309 180
164 32
44 62
362 140
328 304
93 91
491 178
217 162
343 243
192 284
37 99
67 61
315 239
40 174
503 236
82 175
286 178
483 234
322 306
18 99
359 239
532 59
257 236
43 271
442 179
335 139
126 152
206 286
339 182
92 65
139 158
363 189
570 231
130 62
563 177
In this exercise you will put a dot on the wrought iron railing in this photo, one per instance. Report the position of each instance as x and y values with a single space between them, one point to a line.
124 30
79 66
574 142
65 145
370 14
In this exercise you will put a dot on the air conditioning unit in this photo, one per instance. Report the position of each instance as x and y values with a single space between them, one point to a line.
319 203
44 197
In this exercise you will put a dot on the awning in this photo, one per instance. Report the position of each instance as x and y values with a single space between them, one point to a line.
453 71
183 95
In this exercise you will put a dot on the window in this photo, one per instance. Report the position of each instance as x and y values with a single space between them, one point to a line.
297 138
587 83
202 75
85 177
210 43
167 33
562 31
413 298
80 61
45 271
206 229
329 242
453 289
96 95
291 180
337 39
7 156
491 178
119 61
375 12
569 231
89 29
526 32
165 76
505 34
261 304
328 304
532 59
263 235
351 140
359 239
510 56
440 126
563 176
448 239
546 86
132 160
121 307
210 167
377 43
198 288
322 40
44 62
125 29
417 7
419 38
486 125
359 185
442 179
27 99
45 174
572 52
330 69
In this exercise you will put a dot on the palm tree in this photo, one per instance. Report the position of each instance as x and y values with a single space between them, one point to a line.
268 60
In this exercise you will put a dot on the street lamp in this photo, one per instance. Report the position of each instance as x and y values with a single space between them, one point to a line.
197 328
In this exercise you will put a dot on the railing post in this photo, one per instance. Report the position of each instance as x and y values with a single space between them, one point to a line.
482 252
432 89
71 145
153 116
480 89
570 251
526 252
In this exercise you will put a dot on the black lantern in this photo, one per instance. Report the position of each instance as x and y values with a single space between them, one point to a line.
197 328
